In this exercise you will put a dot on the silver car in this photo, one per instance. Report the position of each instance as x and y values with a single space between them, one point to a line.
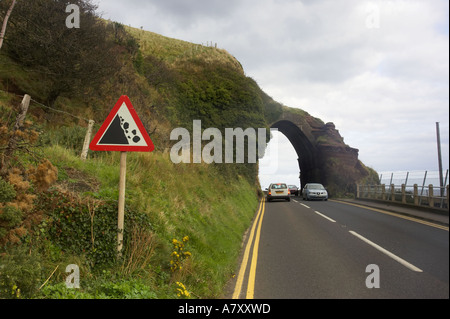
314 191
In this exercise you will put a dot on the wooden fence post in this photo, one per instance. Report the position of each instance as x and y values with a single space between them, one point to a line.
393 192
403 193
121 207
416 195
12 143
430 196
447 198
87 140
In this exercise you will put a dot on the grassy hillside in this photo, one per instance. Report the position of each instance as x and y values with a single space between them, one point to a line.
175 51
179 200
57 210
73 221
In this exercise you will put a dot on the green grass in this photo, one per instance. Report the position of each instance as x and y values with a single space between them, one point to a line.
174 50
211 204
192 200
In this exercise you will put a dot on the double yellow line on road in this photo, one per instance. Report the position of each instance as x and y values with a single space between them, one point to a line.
251 278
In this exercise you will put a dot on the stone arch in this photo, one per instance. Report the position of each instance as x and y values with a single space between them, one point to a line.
307 153
323 157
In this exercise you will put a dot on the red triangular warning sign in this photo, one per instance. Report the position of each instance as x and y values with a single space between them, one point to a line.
122 131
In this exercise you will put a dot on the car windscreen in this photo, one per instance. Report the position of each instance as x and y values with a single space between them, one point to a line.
315 186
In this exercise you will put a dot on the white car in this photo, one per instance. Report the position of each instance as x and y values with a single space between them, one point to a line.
314 191
278 191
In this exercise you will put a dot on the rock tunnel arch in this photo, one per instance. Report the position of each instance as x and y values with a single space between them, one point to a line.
322 155
307 153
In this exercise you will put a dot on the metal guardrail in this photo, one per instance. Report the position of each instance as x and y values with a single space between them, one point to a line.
421 196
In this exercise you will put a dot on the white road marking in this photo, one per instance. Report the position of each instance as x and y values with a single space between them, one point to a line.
331 220
395 257
304 205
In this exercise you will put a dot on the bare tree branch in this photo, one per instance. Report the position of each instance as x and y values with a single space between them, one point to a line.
5 22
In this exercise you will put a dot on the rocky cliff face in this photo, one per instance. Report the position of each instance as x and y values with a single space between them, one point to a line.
322 154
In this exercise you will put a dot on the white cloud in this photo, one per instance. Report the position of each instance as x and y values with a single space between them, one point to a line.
378 69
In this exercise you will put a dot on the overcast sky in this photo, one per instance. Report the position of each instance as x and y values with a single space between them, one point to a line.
379 70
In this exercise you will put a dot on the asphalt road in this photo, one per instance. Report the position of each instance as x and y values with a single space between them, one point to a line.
326 249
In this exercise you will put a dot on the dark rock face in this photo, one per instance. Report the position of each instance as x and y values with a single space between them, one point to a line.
322 154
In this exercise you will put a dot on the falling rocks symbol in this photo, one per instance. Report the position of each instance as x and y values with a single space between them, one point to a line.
119 132
115 134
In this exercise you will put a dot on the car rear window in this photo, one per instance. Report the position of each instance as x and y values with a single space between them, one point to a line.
279 186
